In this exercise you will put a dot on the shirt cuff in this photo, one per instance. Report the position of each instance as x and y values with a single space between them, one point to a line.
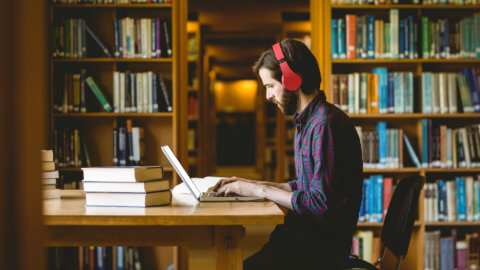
294 201
293 184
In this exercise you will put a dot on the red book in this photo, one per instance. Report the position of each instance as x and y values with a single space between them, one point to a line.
91 263
351 36
387 194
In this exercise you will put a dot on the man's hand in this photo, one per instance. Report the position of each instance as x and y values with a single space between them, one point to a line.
238 186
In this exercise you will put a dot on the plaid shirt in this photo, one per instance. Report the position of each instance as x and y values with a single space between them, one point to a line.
323 137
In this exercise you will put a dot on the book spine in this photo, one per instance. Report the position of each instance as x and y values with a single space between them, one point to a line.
133 92
155 92
166 31
116 37
370 36
122 145
130 160
461 204
115 143
351 21
97 40
93 86
163 87
335 38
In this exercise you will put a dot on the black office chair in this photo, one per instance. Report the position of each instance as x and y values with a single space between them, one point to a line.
398 224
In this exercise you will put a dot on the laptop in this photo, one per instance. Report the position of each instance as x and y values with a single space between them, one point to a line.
208 196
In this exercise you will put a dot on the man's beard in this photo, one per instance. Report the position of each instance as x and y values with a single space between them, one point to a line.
289 102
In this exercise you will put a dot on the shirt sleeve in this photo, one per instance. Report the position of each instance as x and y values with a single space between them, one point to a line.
313 198
293 184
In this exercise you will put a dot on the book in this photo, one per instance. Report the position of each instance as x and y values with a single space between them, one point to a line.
46 155
128 199
48 166
123 174
51 193
166 98
50 174
98 93
136 187
97 40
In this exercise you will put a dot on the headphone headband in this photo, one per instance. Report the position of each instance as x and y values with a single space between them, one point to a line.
290 80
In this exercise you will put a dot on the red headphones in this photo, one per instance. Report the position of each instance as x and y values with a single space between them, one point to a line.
290 80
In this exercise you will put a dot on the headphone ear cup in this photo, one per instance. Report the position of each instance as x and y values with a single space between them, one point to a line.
290 80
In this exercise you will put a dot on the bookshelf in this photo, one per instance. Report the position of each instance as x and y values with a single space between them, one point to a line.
322 14
96 125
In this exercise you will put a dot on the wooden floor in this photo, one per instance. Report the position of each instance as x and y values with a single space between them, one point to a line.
255 238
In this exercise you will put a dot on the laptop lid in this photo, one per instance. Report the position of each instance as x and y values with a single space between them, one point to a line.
181 171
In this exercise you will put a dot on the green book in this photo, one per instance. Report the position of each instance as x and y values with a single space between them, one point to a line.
98 94
66 28
425 37
76 92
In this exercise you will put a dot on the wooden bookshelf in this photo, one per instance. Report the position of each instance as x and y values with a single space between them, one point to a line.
97 125
321 15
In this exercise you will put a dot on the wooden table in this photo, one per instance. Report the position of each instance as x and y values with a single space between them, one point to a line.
186 222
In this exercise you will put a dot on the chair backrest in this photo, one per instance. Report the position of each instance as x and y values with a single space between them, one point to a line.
400 217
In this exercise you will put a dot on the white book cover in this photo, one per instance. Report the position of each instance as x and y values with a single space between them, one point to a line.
143 37
149 37
356 92
443 93
351 91
451 201
363 93
122 93
136 144
466 148
394 33
139 92
452 93
449 148
144 88
409 92
150 91
435 94
469 199
426 93
116 91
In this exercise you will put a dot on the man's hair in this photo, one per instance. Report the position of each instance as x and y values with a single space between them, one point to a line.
299 58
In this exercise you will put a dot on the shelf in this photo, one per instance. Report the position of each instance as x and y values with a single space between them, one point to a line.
393 170
109 114
414 116
77 169
452 170
112 60
380 224
387 7
452 223
169 5
405 61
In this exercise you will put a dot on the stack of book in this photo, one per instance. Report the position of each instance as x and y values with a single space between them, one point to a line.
134 186
49 176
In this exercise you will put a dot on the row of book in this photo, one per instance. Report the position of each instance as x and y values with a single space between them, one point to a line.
69 40
453 200
128 143
444 147
377 193
192 107
390 2
126 186
140 92
377 92
451 38
439 91
142 38
364 37
366 245
70 94
382 148
448 252
111 1
70 149
95 257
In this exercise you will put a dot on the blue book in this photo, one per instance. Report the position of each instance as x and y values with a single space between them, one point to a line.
381 128
391 93
120 39
473 88
334 39
342 41
368 207
361 214
427 106
370 36
399 98
100 260
120 263
382 89
442 200
371 200
461 199
401 38
412 153
378 196
446 37
115 33
97 40
425 143
447 252
411 38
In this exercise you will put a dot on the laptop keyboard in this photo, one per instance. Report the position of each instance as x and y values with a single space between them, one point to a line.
209 194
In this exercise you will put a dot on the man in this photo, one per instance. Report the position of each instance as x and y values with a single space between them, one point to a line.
324 201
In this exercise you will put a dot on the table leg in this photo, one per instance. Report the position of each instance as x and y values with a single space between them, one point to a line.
181 257
228 247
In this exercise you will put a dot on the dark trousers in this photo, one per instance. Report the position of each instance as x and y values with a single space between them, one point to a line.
297 246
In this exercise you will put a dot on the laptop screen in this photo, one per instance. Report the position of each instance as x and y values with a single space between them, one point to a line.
181 171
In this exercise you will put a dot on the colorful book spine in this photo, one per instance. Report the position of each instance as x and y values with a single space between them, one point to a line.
98 93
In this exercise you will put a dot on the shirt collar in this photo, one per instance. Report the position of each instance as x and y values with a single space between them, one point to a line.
303 117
